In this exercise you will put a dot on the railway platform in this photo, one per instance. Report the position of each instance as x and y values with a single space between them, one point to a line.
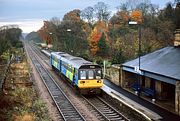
140 105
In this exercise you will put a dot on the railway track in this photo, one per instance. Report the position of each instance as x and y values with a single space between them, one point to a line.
105 111
101 109
67 110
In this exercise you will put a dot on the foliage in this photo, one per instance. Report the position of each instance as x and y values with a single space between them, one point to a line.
40 110
103 46
96 36
4 46
33 36
136 15
9 37
44 33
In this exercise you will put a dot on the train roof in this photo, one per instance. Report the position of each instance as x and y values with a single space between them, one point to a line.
77 62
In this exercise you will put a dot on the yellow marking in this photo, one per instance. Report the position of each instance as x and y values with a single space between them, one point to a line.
90 83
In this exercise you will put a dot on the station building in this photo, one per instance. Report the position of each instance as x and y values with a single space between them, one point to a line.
158 77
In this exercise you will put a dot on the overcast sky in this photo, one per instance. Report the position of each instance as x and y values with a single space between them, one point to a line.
29 14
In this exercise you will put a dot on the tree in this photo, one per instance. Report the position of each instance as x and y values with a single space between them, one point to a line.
93 41
76 39
99 28
87 14
44 33
177 15
4 46
169 12
33 36
9 37
101 11
56 21
103 46
136 15
73 15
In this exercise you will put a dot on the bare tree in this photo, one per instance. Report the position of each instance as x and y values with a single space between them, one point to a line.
101 11
123 7
87 14
56 21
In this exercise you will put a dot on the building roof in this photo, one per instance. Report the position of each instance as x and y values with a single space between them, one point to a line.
165 61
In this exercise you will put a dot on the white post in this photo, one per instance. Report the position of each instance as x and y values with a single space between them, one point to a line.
104 63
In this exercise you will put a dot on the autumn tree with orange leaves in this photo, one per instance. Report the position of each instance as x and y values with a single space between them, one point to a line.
136 15
44 33
96 35
93 41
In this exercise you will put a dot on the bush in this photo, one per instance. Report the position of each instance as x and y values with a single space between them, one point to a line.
19 44
40 110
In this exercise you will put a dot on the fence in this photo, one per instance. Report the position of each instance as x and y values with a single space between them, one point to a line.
4 74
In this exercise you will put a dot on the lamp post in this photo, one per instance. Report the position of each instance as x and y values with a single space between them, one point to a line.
68 30
137 69
71 50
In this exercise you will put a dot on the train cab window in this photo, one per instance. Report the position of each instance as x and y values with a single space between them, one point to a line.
98 74
82 74
90 74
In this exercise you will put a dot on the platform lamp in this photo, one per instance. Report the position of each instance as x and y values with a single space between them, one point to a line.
137 69
69 30
51 34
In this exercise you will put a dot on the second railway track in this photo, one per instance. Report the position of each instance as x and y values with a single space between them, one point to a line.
106 112
64 105
102 110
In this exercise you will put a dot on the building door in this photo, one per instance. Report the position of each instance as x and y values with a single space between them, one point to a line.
152 84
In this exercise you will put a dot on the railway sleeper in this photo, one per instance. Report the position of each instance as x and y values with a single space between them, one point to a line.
107 111
72 116
115 116
118 119
71 112
65 109
104 108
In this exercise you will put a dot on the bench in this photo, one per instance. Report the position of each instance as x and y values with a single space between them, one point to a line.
148 92
135 86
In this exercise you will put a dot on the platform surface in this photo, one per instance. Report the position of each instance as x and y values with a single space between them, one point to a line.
147 109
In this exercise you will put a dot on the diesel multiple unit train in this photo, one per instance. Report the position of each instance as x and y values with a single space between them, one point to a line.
84 75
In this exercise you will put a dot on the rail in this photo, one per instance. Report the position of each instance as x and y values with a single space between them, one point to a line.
105 110
67 110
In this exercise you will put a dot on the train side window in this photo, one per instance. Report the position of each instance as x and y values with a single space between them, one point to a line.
82 74
98 74
90 74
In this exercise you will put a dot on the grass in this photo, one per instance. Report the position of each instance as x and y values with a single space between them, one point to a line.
21 103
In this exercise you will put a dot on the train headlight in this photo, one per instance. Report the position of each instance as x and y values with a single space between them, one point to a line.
82 82
99 81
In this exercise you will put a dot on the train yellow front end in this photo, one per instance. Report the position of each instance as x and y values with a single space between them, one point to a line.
90 79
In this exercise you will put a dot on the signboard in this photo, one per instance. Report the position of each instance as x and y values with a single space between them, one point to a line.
136 69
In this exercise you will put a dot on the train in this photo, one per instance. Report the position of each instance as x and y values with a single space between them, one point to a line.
82 74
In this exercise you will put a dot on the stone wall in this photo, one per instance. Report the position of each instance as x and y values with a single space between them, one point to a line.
113 74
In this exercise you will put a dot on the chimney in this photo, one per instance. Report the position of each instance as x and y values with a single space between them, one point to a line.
177 38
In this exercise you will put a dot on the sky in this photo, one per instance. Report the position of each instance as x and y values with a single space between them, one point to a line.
29 14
